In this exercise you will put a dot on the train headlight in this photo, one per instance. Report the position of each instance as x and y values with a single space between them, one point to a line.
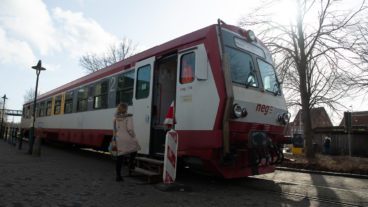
284 118
251 36
244 112
239 112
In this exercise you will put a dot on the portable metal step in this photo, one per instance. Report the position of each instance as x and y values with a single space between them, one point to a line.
145 172
150 160
152 168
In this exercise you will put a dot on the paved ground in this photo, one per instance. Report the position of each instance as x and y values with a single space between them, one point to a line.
63 177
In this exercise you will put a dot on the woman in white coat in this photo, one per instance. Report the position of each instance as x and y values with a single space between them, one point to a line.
126 141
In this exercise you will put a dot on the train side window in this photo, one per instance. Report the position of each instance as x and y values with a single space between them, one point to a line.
143 82
48 108
187 68
57 108
100 95
82 103
68 106
124 92
42 109
24 112
37 109
28 109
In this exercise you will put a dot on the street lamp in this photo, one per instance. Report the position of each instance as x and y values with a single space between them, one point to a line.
2 116
38 69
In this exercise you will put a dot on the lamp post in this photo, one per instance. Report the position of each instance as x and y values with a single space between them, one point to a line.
2 116
38 69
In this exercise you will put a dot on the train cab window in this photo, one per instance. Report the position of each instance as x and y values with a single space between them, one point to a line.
48 108
57 108
68 107
82 99
268 75
143 82
187 68
42 109
124 92
242 68
100 95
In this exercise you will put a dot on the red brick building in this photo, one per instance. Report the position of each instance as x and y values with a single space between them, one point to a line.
359 118
319 117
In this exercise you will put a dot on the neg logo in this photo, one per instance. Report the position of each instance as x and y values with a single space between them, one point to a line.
265 109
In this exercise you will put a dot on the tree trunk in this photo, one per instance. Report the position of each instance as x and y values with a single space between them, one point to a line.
305 94
307 129
306 115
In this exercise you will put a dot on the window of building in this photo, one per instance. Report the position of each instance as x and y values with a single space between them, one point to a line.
48 108
187 68
82 104
68 107
57 108
143 82
124 92
100 95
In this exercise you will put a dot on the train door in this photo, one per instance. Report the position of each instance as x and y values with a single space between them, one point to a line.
164 91
142 102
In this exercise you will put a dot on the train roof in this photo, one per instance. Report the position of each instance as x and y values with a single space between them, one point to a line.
165 48
129 62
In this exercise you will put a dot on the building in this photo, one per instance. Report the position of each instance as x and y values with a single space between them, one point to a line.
347 141
319 117
358 118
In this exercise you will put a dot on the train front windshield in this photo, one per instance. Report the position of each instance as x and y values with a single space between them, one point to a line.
244 72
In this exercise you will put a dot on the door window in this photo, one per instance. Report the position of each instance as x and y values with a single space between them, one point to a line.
143 82
187 68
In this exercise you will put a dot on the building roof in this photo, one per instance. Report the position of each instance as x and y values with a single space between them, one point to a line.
358 118
319 118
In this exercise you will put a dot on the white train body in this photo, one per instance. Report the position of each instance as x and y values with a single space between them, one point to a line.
229 106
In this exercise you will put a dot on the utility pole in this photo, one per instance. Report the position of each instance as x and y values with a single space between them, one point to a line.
2 116
38 69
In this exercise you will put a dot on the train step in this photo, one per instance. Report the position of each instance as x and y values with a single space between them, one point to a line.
145 172
151 168
150 160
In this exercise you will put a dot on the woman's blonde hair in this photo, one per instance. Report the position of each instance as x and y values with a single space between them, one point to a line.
122 108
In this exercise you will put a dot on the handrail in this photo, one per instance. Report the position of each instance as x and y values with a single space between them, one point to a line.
229 95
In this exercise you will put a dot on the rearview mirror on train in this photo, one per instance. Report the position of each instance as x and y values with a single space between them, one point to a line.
201 71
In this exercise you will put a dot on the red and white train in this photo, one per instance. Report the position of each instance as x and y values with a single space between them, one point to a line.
229 107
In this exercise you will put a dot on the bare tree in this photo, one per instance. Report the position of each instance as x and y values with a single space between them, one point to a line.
358 79
29 95
312 53
115 53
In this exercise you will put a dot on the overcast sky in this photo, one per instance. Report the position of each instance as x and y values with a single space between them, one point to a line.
59 32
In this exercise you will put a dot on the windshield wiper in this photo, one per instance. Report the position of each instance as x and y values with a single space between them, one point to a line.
277 91
250 79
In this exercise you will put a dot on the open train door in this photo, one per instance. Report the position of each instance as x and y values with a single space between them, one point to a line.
142 102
